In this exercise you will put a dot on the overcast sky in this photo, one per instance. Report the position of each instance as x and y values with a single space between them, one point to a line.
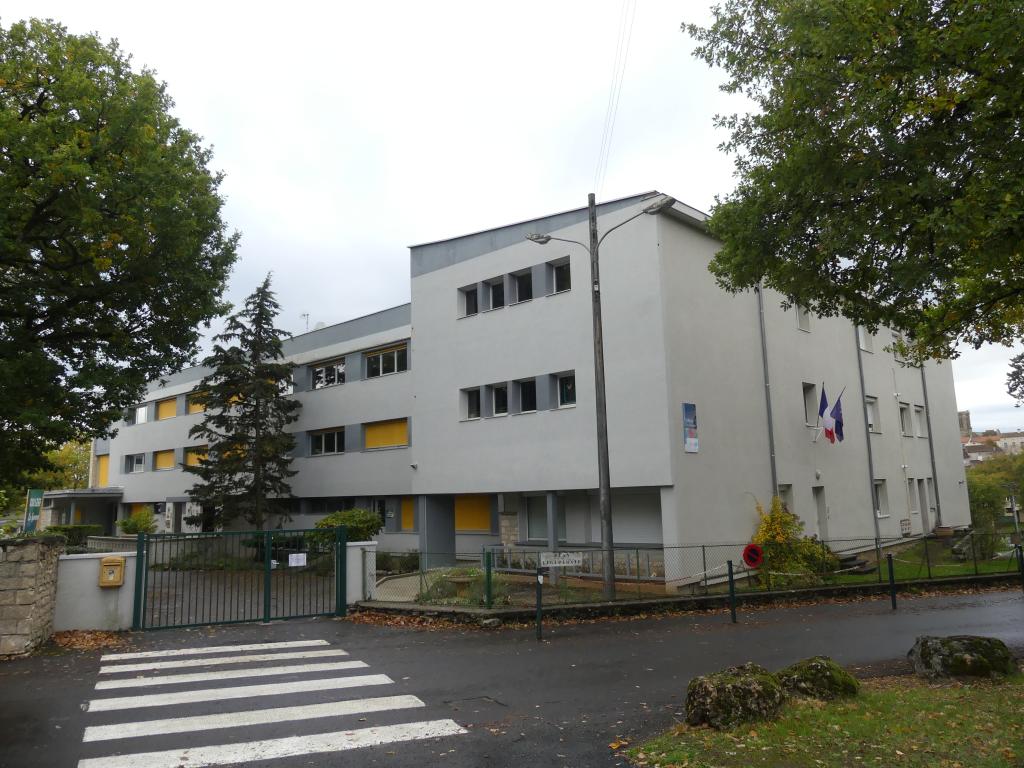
349 131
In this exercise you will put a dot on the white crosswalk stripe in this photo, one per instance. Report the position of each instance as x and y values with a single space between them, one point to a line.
128 740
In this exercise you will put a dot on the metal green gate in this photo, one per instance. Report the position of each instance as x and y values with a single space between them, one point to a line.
229 577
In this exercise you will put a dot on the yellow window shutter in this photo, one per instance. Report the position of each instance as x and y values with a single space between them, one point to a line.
194 407
166 409
163 459
408 514
473 513
141 507
102 471
386 434
195 455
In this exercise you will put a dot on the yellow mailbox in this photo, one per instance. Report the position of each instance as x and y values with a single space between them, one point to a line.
112 571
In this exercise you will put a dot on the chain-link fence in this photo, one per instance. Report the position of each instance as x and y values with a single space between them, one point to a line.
507 575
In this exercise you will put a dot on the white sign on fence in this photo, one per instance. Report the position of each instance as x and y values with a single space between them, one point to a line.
561 559
296 559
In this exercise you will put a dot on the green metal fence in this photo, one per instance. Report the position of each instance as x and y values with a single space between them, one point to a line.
229 577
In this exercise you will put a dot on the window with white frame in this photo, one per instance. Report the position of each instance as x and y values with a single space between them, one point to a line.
522 283
387 361
470 301
871 406
472 400
921 421
497 289
562 276
803 318
136 415
881 499
135 462
329 374
566 390
527 395
865 339
499 393
327 441
906 427
810 404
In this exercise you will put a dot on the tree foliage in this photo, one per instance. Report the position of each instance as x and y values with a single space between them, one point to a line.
112 248
246 469
789 555
69 468
880 177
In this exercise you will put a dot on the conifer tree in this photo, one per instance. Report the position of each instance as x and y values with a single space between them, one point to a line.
245 471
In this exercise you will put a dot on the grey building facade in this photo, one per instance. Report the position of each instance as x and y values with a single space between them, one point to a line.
466 418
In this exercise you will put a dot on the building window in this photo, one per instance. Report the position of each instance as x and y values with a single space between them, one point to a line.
563 278
135 462
871 406
912 496
386 434
803 318
195 455
193 407
137 415
408 514
327 442
387 361
472 403
537 520
567 390
497 294
166 409
905 426
163 460
881 498
921 421
527 395
470 302
810 404
329 374
473 512
523 283
865 339
500 403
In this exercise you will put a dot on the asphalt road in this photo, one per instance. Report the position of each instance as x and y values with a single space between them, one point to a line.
499 697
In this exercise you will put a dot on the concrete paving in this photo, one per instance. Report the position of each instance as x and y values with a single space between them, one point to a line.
460 697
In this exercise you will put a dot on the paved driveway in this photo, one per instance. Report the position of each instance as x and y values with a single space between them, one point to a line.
520 703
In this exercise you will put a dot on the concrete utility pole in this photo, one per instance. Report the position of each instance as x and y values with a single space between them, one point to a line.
600 400
604 481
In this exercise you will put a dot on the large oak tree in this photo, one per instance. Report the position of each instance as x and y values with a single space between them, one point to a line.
881 175
113 253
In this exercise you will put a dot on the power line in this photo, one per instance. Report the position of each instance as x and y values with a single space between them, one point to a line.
625 35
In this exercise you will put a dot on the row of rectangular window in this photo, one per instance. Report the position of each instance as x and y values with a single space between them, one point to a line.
379 363
524 393
393 433
163 460
913 420
490 294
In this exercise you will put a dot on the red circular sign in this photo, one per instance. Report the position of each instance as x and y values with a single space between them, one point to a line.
753 556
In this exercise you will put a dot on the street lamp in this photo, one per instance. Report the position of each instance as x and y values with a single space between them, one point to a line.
600 401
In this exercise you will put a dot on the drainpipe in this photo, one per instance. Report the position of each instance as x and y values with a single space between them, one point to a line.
767 391
931 446
867 432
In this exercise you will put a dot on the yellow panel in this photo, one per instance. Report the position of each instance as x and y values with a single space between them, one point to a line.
141 507
387 434
163 460
194 407
166 409
102 471
473 513
194 455
408 514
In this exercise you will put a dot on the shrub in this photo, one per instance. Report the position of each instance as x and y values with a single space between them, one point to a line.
442 591
141 521
790 556
987 498
75 534
362 524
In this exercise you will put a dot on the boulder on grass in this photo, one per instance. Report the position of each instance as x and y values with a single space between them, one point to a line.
961 656
818 677
746 693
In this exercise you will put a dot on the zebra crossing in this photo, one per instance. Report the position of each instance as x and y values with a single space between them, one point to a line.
213 706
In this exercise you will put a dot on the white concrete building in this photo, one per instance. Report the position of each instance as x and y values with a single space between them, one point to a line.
467 416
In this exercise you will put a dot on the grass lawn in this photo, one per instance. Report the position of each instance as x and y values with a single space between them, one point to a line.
896 721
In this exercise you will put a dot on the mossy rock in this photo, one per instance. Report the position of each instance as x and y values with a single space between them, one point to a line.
961 656
747 693
818 677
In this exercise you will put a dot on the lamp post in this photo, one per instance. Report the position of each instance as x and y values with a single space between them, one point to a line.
600 400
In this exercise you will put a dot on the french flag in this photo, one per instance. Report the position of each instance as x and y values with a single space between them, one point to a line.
831 419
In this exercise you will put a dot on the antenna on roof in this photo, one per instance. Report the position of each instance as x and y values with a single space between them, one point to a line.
305 316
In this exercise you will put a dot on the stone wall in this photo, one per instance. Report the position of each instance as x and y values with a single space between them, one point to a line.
28 588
